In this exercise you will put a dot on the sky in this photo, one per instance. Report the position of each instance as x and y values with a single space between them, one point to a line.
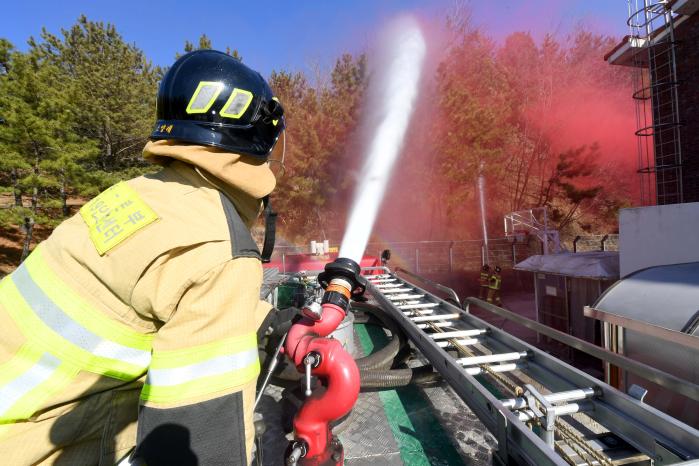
294 35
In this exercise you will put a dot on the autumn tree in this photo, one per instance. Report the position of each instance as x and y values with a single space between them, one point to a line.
320 123
473 125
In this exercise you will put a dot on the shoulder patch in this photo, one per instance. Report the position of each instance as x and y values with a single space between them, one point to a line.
115 215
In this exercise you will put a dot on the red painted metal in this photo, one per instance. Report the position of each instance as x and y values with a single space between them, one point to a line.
340 384
309 262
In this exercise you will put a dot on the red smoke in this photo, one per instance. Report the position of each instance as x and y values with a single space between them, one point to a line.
565 96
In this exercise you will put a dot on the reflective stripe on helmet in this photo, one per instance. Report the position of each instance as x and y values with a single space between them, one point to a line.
204 97
176 376
28 379
237 103
58 320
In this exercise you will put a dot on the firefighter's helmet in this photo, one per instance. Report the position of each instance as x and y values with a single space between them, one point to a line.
485 268
211 98
498 269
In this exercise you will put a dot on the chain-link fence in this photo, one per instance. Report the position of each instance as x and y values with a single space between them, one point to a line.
453 256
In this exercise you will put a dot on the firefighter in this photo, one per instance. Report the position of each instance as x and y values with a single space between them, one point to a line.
134 322
483 281
494 284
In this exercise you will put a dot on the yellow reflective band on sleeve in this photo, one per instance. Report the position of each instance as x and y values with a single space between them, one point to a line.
115 215
29 379
176 376
51 330
237 103
78 309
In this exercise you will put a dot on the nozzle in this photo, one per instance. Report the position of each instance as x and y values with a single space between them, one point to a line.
345 269
295 452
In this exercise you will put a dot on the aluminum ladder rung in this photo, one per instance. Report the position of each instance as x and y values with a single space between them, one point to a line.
457 334
418 313
434 317
405 297
489 358
462 342
435 324
388 286
494 368
383 280
567 396
403 307
396 290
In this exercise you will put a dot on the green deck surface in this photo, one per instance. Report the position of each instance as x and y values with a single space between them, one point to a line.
420 437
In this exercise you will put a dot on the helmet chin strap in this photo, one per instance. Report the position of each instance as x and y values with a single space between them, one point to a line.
270 230
271 217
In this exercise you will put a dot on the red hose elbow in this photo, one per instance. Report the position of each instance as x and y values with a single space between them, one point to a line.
335 399
331 317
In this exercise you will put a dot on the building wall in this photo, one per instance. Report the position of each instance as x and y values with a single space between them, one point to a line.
687 58
658 235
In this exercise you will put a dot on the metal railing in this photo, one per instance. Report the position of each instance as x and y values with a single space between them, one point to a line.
461 346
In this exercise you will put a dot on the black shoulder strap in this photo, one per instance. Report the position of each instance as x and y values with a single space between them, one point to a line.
242 243
270 230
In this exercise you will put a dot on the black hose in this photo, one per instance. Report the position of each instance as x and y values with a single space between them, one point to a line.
398 377
375 369
383 358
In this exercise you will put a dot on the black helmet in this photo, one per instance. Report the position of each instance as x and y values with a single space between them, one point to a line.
210 98
485 267
498 269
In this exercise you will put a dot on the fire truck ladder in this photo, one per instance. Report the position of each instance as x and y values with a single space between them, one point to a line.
543 403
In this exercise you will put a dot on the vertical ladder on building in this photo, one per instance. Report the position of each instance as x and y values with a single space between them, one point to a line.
652 35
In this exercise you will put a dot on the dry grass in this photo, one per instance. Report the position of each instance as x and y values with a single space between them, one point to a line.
11 242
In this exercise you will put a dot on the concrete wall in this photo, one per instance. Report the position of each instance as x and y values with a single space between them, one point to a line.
687 58
658 235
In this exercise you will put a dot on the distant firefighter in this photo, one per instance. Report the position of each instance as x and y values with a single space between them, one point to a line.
484 280
494 285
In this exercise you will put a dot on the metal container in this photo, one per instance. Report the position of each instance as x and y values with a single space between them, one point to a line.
666 297
345 334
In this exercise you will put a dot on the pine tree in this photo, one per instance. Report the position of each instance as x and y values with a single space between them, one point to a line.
206 44
111 85
41 151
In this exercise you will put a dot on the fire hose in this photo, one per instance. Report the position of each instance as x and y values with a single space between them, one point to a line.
375 370
307 346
